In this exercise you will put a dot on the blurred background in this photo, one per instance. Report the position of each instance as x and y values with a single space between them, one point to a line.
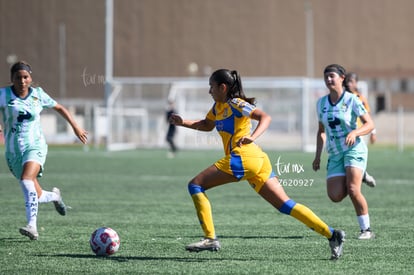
115 63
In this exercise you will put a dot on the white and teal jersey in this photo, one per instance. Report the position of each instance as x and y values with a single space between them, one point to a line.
339 120
21 119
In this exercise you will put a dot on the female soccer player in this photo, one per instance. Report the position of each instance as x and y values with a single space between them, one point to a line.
337 113
25 145
231 115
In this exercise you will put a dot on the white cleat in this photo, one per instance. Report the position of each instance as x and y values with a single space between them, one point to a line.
30 232
366 235
59 204
369 180
336 243
204 244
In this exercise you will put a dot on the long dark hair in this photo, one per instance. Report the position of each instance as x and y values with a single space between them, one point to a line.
233 81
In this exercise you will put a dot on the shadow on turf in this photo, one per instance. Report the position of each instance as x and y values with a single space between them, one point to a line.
242 237
15 240
261 237
130 258
149 258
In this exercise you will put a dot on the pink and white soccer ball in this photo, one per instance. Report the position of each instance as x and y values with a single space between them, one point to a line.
104 241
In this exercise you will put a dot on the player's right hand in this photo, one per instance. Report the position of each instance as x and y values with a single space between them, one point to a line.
175 119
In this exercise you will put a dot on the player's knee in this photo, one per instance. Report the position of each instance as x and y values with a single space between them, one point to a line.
355 194
336 197
287 207
194 188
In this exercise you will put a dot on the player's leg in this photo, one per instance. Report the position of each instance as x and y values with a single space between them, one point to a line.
209 178
30 170
273 192
354 176
355 162
51 196
336 178
336 188
39 157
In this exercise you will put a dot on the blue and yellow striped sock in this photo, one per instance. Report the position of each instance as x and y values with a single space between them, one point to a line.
203 208
306 216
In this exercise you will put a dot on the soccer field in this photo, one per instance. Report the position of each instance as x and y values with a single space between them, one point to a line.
143 196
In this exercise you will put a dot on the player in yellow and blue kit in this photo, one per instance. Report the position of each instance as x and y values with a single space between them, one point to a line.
231 115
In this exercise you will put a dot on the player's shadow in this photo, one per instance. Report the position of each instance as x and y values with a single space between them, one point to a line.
260 237
154 258
15 240
136 258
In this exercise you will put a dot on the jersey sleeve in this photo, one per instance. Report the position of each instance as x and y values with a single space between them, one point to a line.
244 107
211 114
45 99
358 107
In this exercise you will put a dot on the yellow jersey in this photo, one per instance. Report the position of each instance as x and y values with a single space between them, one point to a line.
232 119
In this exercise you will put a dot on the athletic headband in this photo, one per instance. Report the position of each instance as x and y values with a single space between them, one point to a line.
19 67
335 69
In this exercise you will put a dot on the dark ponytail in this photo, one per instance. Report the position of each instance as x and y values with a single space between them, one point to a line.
233 81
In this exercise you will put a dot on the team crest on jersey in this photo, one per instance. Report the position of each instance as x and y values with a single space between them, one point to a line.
225 112
35 101
344 107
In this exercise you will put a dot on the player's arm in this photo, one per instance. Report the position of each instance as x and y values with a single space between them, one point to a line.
367 126
364 100
79 132
320 141
201 124
365 129
264 120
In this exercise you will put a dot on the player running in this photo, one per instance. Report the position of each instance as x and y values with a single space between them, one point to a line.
25 145
337 113
231 115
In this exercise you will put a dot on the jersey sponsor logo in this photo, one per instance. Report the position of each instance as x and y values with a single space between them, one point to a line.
24 115
333 122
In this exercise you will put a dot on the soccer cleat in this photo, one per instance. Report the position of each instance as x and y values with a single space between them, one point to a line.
204 244
336 243
59 204
369 180
366 235
30 232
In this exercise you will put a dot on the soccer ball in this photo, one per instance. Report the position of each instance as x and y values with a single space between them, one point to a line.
104 241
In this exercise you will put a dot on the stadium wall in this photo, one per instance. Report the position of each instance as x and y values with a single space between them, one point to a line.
159 38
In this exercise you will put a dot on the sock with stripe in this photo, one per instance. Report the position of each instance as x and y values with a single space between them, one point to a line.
306 216
203 208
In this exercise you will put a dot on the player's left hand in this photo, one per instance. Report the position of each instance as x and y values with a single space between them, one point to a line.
81 134
244 140
350 138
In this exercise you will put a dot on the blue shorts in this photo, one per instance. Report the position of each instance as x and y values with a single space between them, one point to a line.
17 161
357 156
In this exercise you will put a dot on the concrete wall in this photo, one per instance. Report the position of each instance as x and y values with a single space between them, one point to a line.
162 37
